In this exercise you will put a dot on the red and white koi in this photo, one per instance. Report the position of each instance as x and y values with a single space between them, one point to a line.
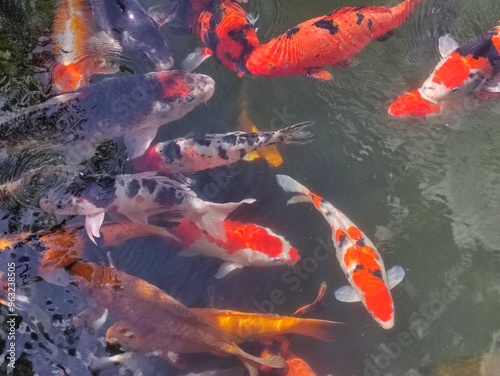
357 256
470 68
246 244
137 197
193 154
326 41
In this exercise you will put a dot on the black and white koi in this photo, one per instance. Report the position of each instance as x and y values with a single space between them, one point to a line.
136 196
193 154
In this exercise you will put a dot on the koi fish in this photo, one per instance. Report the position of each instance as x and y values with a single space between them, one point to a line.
242 326
135 30
164 322
246 244
357 255
136 196
326 41
193 154
295 366
71 30
227 31
469 68
133 107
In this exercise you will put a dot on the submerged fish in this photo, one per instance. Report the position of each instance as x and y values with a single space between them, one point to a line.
135 31
72 29
242 326
463 70
246 244
326 41
165 325
478 365
137 197
133 107
193 154
228 32
358 257
296 366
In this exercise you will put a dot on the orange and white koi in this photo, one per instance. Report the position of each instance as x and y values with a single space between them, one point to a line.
326 41
193 154
227 31
165 325
463 70
357 255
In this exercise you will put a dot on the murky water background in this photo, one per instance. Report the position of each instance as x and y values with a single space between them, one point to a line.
427 194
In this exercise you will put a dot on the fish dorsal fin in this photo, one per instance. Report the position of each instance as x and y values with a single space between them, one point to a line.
138 141
395 275
163 13
93 224
447 45
227 268
347 294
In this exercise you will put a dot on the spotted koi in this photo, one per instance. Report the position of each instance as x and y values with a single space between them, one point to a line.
193 154
357 255
326 41
133 107
470 68
137 197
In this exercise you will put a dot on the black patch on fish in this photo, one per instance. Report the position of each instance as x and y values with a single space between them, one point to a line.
386 36
292 31
240 37
167 197
369 24
342 240
482 46
328 25
360 242
150 184
218 14
171 152
212 40
202 141
222 153
360 18
359 267
99 191
230 139
267 137
243 152
133 188
377 273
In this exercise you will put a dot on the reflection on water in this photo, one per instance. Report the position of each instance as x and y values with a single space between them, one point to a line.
427 194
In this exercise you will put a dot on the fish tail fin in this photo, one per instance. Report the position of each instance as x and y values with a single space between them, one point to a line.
320 329
295 134
292 186
212 218
252 362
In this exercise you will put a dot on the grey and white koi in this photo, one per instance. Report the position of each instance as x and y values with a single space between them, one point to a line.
193 154
133 107
136 196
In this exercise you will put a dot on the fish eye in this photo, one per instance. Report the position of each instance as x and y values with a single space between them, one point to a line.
454 90
191 97
275 259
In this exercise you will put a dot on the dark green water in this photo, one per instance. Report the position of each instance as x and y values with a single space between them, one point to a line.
427 194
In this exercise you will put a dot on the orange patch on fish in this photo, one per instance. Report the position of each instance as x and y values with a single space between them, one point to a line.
412 104
173 84
457 68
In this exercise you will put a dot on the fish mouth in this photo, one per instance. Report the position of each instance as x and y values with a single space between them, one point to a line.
207 87
413 104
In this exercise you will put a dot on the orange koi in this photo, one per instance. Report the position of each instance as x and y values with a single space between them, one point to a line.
470 68
143 308
326 41
357 255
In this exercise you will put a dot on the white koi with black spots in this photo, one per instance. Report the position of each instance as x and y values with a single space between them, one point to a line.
136 196
193 154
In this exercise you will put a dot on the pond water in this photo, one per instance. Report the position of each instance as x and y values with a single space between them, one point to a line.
426 192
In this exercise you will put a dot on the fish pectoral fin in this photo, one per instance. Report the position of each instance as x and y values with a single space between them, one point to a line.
227 268
319 75
253 19
492 85
161 14
93 224
138 141
447 45
395 275
386 36
298 199
195 58
138 217
101 44
251 156
92 318
347 294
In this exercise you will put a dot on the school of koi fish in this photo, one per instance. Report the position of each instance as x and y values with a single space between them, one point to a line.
158 197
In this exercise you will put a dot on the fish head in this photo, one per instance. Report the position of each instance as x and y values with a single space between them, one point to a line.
138 34
412 104
455 75
180 93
